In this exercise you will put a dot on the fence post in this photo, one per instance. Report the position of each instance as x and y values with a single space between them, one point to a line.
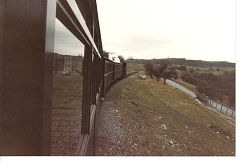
27 45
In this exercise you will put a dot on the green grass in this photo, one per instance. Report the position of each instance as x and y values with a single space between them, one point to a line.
146 106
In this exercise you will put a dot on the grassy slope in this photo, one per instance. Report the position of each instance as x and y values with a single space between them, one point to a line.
146 106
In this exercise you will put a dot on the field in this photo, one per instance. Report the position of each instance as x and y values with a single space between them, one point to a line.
150 118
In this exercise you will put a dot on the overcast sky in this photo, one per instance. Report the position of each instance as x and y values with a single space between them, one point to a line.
65 42
191 29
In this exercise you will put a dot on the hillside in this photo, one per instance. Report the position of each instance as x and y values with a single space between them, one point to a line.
146 117
183 61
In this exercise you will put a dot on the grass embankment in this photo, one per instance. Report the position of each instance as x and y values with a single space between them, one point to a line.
66 112
161 120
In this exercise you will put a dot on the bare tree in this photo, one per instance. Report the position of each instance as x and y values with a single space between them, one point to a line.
157 71
160 71
149 69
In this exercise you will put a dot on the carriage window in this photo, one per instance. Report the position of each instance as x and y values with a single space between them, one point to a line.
67 92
